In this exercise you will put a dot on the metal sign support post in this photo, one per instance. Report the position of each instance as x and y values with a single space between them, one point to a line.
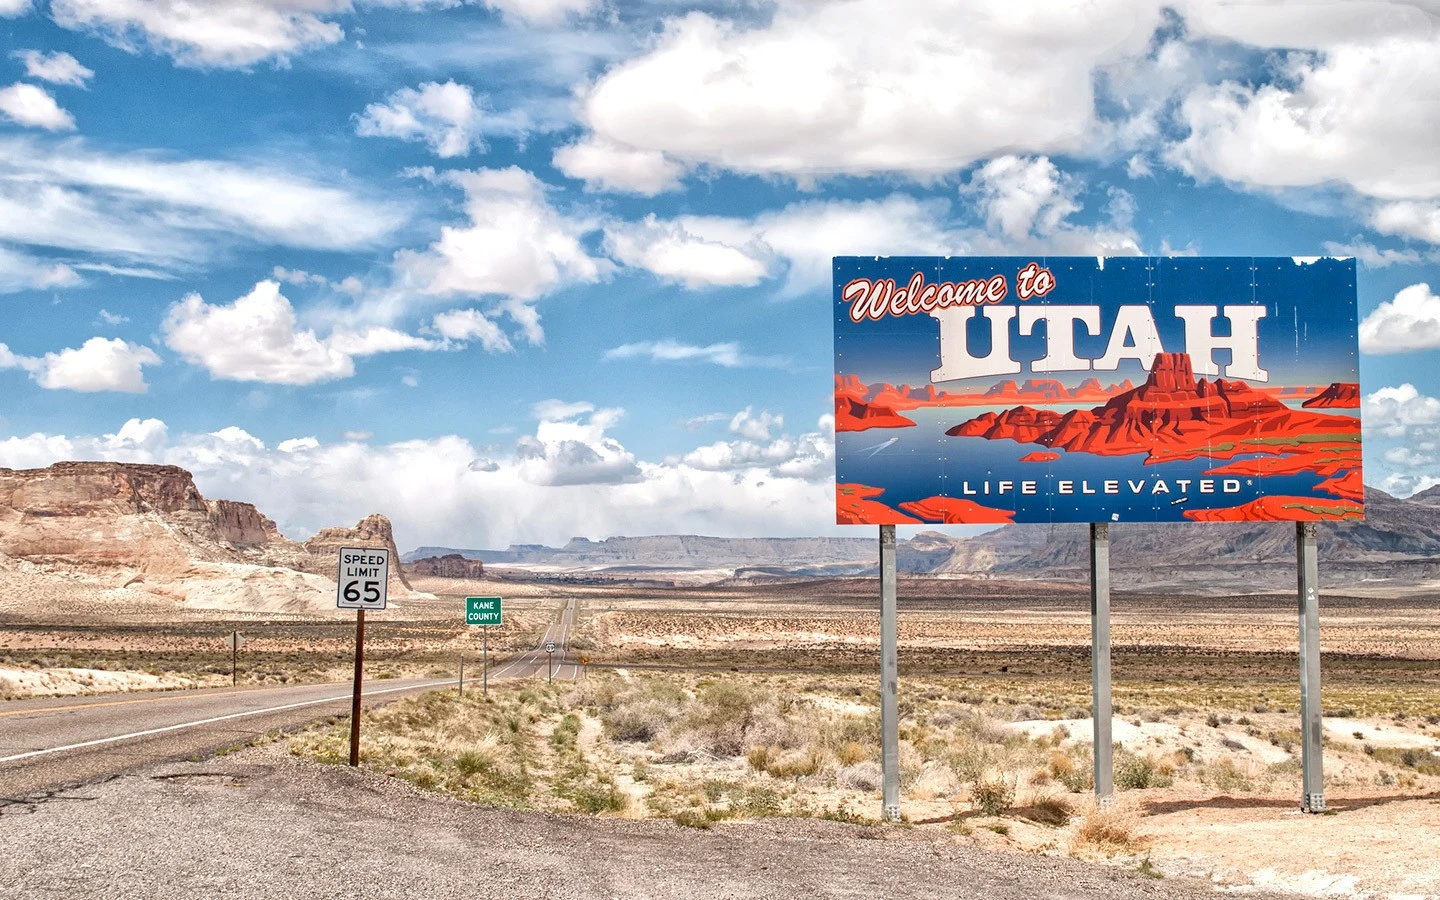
550 663
461 691
485 660
234 654
1307 568
1100 660
889 680
355 701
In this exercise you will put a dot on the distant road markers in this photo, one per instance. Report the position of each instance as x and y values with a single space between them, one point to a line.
482 611
361 583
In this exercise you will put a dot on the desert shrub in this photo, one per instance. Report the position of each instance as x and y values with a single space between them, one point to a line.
693 818
1422 761
1287 767
797 764
853 752
970 761
1074 773
1076 712
761 757
983 729
1212 720
598 797
992 796
1138 773
861 776
1225 776
1048 810
637 721
1231 744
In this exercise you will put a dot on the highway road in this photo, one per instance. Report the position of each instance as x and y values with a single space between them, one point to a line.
538 662
47 743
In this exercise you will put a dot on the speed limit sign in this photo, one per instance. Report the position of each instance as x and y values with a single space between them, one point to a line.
361 581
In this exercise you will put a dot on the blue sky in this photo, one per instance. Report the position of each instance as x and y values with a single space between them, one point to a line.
517 270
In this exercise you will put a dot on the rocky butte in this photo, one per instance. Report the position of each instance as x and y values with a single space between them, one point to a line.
1172 416
147 527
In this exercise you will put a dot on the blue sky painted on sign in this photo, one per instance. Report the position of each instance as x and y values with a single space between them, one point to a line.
514 270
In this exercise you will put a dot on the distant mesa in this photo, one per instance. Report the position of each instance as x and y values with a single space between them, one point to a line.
852 413
451 565
1172 416
1344 394
1282 509
958 511
1040 456
859 405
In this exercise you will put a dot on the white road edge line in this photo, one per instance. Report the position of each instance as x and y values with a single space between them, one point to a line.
239 715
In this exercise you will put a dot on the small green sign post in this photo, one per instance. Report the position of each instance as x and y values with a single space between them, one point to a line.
484 611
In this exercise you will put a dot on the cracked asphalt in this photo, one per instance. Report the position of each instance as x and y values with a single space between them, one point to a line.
261 824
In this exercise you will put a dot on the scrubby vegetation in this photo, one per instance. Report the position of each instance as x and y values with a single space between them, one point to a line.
703 749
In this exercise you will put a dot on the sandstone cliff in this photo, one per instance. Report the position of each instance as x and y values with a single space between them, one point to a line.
147 527
372 531
451 565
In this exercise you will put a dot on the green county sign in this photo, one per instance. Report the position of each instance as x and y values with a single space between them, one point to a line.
482 611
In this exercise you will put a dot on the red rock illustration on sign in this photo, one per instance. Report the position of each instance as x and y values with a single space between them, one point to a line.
1173 417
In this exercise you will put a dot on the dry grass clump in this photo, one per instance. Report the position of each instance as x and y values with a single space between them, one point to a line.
1109 830
1048 809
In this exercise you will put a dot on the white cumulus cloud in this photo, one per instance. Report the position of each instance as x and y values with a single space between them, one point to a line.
99 364
605 166
1361 114
756 426
257 338
1394 411
464 325
33 107
57 67
447 117
867 86
1410 321
516 247
670 251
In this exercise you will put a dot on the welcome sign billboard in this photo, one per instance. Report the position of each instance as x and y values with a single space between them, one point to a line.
991 390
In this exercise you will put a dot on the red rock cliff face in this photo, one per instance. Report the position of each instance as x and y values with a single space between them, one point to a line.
143 517
371 531
240 523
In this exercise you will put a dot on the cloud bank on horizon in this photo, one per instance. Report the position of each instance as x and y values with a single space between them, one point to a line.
341 256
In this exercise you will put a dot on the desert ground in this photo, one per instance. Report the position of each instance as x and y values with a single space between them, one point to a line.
717 704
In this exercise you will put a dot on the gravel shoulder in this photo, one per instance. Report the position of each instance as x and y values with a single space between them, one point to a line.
262 824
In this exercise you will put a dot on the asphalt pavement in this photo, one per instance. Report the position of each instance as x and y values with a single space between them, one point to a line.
51 743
